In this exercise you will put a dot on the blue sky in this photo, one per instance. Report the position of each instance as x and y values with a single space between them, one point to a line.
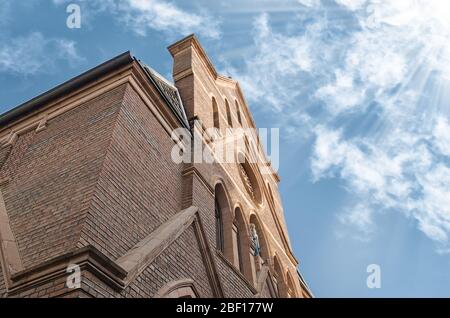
359 89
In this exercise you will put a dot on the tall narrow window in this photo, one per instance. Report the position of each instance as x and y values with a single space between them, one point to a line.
238 113
279 282
276 285
219 227
227 106
242 258
215 114
237 247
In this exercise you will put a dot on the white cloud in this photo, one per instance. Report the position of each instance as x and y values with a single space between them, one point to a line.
367 168
351 4
433 211
372 65
398 172
274 68
359 217
309 3
342 95
441 134
165 16
375 60
34 54
144 15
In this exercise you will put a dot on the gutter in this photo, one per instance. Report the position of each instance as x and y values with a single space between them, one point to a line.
305 285
64 88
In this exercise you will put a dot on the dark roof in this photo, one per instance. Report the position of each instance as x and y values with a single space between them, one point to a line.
168 92
64 88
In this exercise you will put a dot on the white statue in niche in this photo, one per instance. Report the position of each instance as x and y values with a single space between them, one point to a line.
255 240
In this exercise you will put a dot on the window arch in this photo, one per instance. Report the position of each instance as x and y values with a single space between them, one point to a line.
259 250
290 285
238 112
229 119
223 221
241 242
279 278
219 225
237 253
184 288
216 120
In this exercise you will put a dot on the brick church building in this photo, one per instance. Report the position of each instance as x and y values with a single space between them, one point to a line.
92 203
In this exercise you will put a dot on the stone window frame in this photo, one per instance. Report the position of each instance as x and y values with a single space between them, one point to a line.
238 112
218 216
216 113
243 250
291 290
280 279
228 111
221 196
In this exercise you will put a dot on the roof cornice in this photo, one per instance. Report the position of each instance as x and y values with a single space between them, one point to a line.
192 41
87 77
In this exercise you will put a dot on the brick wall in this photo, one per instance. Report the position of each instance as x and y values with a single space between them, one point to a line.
179 261
4 153
139 186
53 174
2 284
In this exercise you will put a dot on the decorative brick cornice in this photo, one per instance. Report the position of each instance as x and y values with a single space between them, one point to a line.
191 41
87 258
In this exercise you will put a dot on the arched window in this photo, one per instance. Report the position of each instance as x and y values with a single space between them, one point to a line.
219 226
230 121
224 221
241 244
279 279
290 285
259 252
238 113
236 246
216 120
